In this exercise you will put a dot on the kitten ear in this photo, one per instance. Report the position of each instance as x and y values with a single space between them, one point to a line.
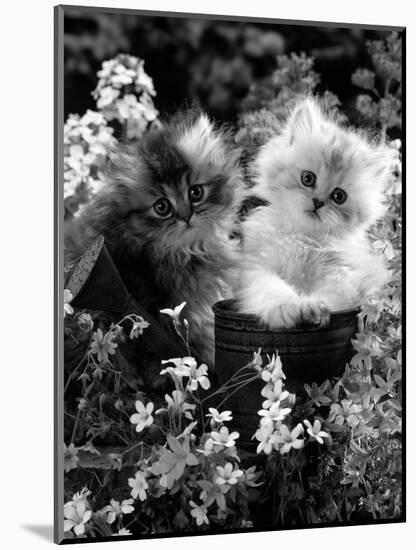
123 164
306 117
199 140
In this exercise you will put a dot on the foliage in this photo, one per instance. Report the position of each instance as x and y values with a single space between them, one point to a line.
330 454
186 470
382 104
123 94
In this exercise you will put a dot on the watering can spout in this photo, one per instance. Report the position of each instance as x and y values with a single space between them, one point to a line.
96 284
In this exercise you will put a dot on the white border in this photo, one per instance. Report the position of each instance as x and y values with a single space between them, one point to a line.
27 268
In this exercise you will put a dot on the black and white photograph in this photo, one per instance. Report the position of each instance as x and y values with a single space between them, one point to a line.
228 194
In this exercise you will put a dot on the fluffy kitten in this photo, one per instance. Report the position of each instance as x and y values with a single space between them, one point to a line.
167 213
307 253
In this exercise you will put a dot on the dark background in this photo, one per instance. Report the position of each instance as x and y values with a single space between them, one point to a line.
212 63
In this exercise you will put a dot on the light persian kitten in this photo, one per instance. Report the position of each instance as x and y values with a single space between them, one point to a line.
307 252
167 212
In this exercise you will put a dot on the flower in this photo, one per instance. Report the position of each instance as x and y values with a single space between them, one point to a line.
187 367
68 309
218 417
289 440
177 404
172 462
346 412
116 509
85 322
314 431
103 345
318 393
137 328
174 313
273 371
70 457
199 513
138 485
86 142
181 368
274 393
81 496
267 437
143 417
227 475
106 96
122 76
257 361
198 375
76 516
274 414
223 438
208 447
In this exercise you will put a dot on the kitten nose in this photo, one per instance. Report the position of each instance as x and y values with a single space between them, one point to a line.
317 204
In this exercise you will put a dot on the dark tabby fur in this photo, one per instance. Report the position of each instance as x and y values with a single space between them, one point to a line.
186 255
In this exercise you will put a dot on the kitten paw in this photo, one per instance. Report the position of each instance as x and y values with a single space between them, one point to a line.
314 311
284 315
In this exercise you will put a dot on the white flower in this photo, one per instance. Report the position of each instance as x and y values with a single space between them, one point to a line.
71 459
257 361
208 448
103 345
138 326
187 367
289 440
218 417
129 108
139 485
223 438
177 404
85 322
82 496
227 475
68 309
198 375
76 516
143 81
106 68
143 417
116 509
122 76
273 371
106 96
199 513
94 118
267 437
314 431
86 140
274 394
181 369
174 313
274 414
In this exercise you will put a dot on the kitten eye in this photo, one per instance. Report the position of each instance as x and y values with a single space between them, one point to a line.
196 193
163 208
308 179
338 195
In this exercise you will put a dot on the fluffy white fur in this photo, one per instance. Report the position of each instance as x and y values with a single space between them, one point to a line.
300 262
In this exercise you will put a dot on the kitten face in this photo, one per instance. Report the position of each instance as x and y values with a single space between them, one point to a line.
327 180
178 189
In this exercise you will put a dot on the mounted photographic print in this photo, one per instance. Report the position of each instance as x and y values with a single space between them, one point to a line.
228 274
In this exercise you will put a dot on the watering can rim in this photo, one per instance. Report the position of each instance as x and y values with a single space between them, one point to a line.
220 308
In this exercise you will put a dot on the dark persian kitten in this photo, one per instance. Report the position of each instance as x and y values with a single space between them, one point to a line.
167 213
